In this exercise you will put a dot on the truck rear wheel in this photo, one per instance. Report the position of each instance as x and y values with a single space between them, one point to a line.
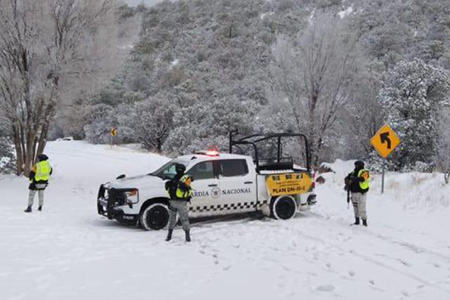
155 216
283 208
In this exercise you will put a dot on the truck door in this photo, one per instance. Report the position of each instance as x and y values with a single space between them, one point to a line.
204 185
237 184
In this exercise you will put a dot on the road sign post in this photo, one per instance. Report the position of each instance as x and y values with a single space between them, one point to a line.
113 134
382 175
385 141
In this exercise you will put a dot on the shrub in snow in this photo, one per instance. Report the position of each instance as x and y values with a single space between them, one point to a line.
149 122
7 156
102 119
7 153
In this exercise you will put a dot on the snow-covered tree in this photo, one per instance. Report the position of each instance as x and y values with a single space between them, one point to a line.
314 74
360 120
7 157
102 120
49 49
413 95
443 157
207 124
149 122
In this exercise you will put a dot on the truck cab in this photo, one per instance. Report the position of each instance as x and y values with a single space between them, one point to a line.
224 183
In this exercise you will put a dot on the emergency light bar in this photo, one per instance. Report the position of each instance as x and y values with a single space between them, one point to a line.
208 152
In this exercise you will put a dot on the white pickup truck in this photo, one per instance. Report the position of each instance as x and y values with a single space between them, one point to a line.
224 183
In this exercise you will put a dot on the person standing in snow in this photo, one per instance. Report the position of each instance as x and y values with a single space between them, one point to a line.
180 193
358 183
39 176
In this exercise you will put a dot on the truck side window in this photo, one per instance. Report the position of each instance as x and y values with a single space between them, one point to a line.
203 170
233 167
167 171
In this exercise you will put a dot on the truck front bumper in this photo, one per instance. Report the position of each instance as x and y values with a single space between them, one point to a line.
109 205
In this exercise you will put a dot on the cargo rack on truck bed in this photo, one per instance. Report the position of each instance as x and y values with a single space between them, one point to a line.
273 164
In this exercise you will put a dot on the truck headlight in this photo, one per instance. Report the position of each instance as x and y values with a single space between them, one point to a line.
132 196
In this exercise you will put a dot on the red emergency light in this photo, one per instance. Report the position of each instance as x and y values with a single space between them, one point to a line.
208 152
212 153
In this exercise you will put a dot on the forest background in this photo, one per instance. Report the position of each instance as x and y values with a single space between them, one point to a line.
179 76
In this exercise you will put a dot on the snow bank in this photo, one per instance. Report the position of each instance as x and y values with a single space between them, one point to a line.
424 192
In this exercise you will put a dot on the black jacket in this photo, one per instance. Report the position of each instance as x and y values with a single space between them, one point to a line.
171 186
352 182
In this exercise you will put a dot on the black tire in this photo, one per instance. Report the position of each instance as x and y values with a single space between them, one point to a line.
154 216
283 208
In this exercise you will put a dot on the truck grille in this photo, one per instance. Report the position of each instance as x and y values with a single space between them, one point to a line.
108 199
118 197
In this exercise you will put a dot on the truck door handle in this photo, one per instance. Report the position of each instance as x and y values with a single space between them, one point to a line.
212 184
248 182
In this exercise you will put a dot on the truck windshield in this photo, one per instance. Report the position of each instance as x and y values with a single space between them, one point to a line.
167 171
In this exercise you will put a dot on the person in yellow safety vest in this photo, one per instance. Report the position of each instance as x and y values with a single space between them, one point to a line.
39 176
180 193
184 190
358 182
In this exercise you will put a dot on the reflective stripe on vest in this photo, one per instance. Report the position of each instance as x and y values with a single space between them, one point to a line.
184 195
364 173
43 169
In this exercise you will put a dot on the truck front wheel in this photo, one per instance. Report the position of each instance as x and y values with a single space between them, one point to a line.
155 216
283 208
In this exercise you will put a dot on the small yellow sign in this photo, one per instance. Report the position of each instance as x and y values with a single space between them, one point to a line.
288 184
385 141
113 131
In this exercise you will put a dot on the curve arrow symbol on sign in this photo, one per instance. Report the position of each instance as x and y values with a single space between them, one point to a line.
384 137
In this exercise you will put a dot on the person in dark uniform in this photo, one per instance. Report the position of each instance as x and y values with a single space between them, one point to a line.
358 183
180 193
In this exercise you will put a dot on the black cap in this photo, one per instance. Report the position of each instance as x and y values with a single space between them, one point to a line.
359 164
180 168
42 157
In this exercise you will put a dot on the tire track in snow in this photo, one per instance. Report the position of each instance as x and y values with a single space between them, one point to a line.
219 257
378 262
413 247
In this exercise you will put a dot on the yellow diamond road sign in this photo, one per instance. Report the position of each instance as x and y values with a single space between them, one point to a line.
113 131
385 141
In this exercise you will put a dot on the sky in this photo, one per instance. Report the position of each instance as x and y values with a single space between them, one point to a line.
146 2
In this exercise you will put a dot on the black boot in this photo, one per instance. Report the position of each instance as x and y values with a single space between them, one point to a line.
40 208
365 222
28 210
188 236
169 235
356 221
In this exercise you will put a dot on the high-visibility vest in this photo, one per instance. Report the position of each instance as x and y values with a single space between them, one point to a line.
184 190
364 173
43 170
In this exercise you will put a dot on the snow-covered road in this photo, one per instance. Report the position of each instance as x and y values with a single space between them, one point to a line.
69 252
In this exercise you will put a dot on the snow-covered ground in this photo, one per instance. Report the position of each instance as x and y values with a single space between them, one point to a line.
69 252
